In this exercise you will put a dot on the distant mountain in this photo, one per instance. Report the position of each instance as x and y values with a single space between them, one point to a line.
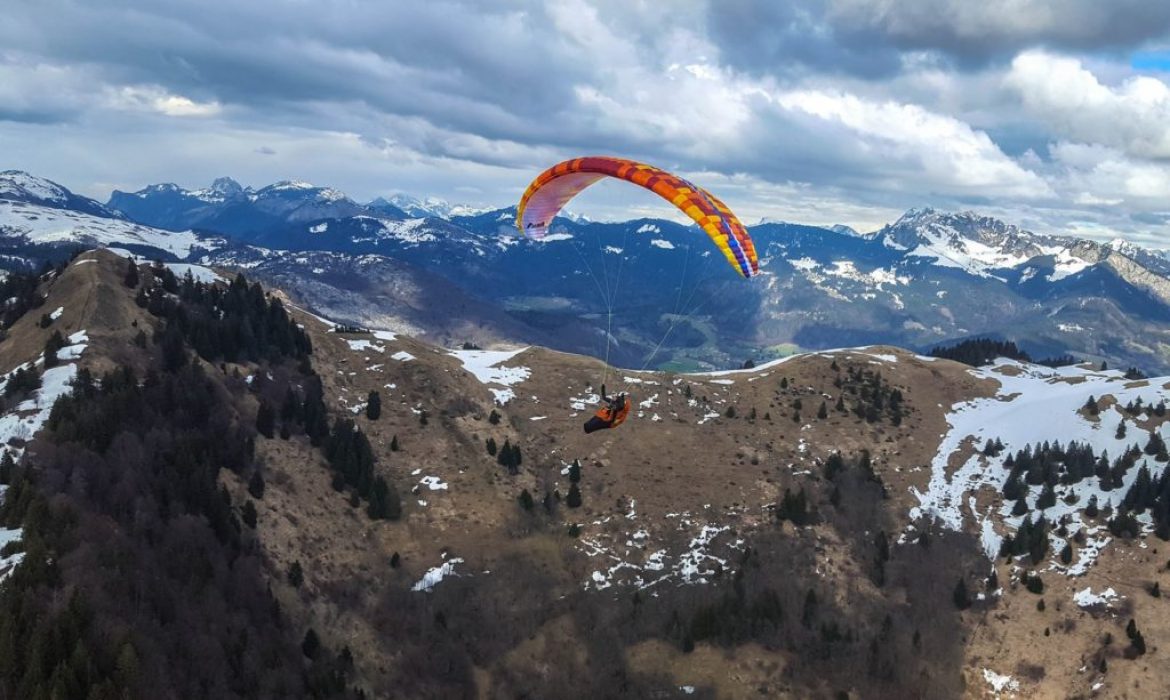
429 207
19 186
228 208
653 291
40 219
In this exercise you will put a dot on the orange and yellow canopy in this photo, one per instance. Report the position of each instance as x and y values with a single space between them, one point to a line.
553 188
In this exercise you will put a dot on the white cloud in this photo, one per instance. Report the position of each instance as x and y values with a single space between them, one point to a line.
1074 104
156 99
947 152
1095 174
777 109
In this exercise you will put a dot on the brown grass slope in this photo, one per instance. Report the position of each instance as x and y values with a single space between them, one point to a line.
774 609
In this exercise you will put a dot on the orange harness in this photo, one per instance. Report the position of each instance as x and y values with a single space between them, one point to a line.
614 419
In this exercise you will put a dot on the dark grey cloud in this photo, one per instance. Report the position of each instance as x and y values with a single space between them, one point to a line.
795 38
988 28
502 74
871 38
844 105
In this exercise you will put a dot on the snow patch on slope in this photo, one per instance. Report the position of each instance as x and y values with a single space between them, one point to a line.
483 365
1034 404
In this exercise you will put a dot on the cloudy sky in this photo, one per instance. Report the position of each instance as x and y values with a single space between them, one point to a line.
1053 114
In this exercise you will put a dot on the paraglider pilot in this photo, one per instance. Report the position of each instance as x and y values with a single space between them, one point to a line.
612 414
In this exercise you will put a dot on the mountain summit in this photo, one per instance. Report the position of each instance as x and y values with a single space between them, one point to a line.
19 186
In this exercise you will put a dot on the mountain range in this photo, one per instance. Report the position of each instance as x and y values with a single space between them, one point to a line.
264 503
646 292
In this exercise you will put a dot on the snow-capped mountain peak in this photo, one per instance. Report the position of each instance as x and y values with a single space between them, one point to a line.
226 186
430 206
965 240
290 185
19 185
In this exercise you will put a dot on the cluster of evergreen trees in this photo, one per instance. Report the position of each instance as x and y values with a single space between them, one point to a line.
866 394
978 352
794 507
1146 494
1030 538
301 411
147 545
24 380
19 295
508 456
1050 465
349 454
137 579
236 323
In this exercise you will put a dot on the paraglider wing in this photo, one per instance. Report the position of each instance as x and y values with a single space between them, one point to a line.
553 188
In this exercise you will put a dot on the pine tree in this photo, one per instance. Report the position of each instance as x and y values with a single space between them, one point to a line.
290 408
1155 445
266 420
422 417
961 597
131 277
385 503
573 500
526 501
730 412
840 407
374 405
575 472
248 514
1066 554
7 467
882 542
311 644
1047 497
1120 434
494 417
809 611
1091 406
50 357
491 446
394 444
256 485
823 411
793 507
